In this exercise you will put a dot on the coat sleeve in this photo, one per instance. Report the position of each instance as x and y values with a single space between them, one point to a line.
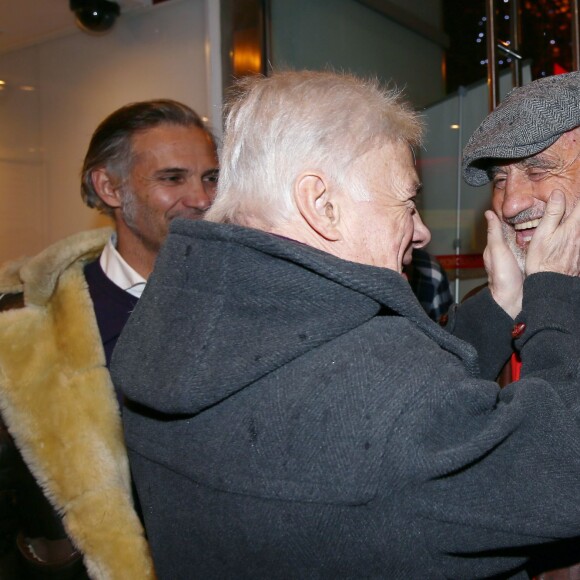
487 327
504 464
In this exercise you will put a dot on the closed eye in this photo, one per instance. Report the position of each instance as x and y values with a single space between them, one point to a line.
172 176
499 181
210 176
536 174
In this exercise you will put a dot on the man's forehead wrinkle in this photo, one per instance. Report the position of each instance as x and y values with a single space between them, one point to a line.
576 157
570 147
404 188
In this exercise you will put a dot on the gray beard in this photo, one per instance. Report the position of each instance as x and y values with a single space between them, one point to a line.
520 254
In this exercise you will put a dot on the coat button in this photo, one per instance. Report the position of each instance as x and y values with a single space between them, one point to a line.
443 319
518 329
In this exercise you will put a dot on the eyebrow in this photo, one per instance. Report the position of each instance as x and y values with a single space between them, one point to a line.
541 161
167 170
415 188
212 171
182 171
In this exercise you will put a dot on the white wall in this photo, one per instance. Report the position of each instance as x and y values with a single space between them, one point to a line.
78 80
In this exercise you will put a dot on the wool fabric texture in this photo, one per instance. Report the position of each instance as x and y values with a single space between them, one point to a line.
527 121
293 415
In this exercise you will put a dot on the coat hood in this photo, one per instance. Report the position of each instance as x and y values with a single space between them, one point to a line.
227 305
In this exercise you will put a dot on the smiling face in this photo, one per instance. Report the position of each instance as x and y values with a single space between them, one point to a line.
173 174
522 188
384 230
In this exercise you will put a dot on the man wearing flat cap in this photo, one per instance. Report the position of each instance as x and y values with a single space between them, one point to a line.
529 147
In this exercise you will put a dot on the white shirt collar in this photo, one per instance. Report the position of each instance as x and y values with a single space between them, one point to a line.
119 272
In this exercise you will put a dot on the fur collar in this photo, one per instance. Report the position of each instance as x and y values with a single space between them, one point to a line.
59 404
38 276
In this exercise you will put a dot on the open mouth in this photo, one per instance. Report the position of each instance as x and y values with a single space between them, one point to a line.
525 231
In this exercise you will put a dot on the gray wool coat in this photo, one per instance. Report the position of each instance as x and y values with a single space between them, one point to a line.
294 415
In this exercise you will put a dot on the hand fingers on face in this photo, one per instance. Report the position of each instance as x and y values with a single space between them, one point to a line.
497 247
495 243
494 233
504 276
553 214
491 240
555 245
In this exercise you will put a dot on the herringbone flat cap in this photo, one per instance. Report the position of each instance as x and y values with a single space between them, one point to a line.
527 121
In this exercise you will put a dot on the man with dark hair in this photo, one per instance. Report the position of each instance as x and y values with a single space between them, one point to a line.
61 314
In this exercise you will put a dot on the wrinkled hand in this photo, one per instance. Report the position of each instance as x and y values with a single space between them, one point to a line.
555 246
505 277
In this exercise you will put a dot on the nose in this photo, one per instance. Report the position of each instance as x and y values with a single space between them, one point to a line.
516 196
421 233
198 195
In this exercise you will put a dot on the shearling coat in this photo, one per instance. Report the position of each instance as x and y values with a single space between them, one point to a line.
311 421
58 402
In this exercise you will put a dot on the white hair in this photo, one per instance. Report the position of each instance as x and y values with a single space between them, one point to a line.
280 126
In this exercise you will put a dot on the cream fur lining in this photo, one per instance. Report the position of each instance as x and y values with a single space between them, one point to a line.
39 275
59 404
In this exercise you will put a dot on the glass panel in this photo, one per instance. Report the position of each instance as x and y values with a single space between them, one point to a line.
453 210
349 36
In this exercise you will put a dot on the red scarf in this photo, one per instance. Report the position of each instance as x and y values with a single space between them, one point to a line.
516 364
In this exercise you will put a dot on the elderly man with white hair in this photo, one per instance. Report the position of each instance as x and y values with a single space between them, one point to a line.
292 412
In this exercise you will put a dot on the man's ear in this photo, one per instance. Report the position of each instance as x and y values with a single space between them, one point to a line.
105 188
317 205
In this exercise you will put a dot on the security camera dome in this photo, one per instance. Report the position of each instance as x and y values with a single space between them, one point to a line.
95 15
